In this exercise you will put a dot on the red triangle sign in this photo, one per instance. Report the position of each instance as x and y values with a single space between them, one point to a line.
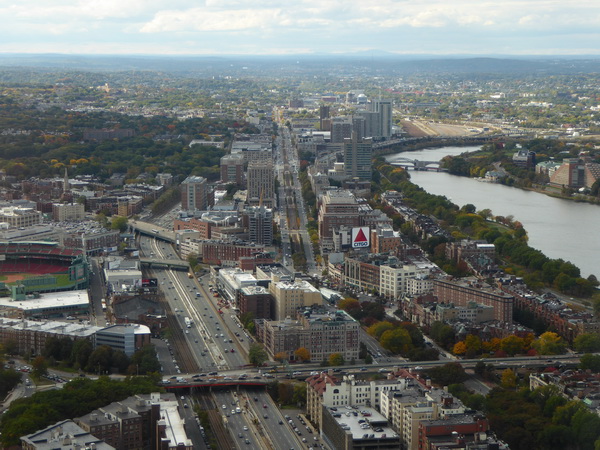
360 236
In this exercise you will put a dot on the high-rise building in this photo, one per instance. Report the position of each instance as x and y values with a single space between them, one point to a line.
341 128
357 157
232 169
384 109
324 111
260 225
338 207
260 183
194 193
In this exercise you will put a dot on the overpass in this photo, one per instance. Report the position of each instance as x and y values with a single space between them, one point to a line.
177 264
207 384
150 229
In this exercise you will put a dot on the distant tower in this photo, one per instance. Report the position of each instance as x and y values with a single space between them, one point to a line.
357 157
66 182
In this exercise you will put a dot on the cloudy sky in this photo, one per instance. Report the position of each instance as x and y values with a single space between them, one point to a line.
204 27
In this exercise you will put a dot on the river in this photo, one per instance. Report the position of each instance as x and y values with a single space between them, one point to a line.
559 228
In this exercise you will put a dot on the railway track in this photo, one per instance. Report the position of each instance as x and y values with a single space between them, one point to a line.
183 354
206 403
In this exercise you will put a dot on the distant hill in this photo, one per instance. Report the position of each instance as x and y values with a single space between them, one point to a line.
382 62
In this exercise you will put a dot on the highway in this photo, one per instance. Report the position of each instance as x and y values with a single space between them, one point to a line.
210 337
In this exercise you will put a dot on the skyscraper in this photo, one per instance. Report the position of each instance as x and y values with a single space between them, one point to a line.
260 183
194 193
260 225
357 157
384 109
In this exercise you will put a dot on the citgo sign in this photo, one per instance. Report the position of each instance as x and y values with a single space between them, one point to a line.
360 237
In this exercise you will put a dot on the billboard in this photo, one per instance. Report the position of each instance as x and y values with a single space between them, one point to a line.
149 282
361 237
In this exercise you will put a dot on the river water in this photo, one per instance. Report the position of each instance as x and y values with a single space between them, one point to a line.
559 228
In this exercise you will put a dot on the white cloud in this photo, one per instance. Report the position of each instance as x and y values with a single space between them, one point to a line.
320 25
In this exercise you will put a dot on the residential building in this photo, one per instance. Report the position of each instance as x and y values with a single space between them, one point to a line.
231 281
232 169
195 193
144 421
255 300
260 180
357 430
63 212
324 389
461 250
289 297
576 173
338 207
260 224
322 333
358 157
226 253
394 278
31 336
63 435
463 291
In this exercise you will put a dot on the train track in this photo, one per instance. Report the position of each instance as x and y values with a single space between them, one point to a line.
183 354
206 403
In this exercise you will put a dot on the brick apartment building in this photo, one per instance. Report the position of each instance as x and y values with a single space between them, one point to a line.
461 292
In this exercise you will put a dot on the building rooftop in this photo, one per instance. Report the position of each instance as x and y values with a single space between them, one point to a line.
121 328
362 422
65 435
49 300
70 328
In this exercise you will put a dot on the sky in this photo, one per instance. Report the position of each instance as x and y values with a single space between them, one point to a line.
274 27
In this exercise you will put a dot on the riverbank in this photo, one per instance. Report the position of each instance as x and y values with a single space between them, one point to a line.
558 228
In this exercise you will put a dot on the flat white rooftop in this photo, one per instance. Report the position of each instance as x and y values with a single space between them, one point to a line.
49 301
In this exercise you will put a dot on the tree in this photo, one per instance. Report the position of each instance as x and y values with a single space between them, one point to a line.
473 344
396 341
549 343
40 366
257 355
119 223
299 395
451 373
442 334
460 348
591 362
281 357
508 379
349 304
144 361
512 344
378 328
302 354
336 359
587 343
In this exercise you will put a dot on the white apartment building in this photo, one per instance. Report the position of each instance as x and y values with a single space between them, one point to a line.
393 280
325 389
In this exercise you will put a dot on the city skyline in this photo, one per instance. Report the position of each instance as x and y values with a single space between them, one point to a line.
271 27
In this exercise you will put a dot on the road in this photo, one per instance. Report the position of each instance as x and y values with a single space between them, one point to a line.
212 335
290 197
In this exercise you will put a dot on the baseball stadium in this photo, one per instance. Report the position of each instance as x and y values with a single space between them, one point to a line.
36 267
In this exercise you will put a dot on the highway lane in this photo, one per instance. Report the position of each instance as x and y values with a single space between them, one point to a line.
273 421
239 424
211 337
